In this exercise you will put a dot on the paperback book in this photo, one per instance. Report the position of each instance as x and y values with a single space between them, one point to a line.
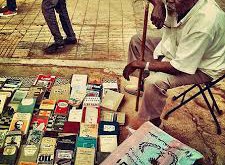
39 122
37 92
62 107
108 128
91 115
85 156
27 105
107 143
86 142
47 104
60 92
2 103
75 115
89 130
45 81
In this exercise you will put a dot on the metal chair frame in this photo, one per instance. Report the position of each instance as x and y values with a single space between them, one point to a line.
202 91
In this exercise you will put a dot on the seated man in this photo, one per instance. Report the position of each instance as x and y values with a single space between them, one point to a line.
193 51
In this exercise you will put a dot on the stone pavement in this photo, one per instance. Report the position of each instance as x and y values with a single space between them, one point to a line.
104 28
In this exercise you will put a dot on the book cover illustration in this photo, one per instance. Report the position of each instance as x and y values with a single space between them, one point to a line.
75 115
78 80
62 107
63 157
60 92
66 141
20 122
27 105
39 122
45 81
91 115
149 145
108 128
48 145
34 137
77 96
37 92
59 122
94 79
47 104
109 84
88 130
85 156
112 100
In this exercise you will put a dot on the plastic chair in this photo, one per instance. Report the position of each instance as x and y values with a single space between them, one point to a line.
202 90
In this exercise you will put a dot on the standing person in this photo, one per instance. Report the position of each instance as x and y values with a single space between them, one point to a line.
9 10
191 51
48 9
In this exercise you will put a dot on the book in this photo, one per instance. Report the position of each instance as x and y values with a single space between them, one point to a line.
60 92
112 100
56 123
107 143
12 83
39 122
20 122
77 97
108 128
92 101
88 130
85 156
66 141
94 90
34 137
107 116
2 81
47 104
91 115
94 79
45 159
86 142
2 102
151 143
78 80
2 137
45 81
5 122
27 105
64 157
62 107
37 92
101 156
48 145
11 147
75 115
109 84
71 127
28 154
120 117
46 113
18 96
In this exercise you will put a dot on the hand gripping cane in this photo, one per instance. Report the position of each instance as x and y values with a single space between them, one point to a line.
142 52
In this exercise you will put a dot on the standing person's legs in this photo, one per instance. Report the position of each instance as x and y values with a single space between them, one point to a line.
11 5
48 10
65 21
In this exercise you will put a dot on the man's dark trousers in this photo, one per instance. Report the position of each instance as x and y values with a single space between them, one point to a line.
11 5
48 9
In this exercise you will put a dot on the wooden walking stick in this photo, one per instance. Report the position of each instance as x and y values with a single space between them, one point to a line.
142 52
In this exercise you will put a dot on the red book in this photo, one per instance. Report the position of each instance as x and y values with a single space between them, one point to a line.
62 107
91 115
45 80
39 122
71 127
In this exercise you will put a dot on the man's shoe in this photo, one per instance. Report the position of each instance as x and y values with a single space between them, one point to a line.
53 48
8 13
132 89
68 41
3 9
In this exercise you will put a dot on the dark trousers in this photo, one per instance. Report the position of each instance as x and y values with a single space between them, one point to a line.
11 5
48 10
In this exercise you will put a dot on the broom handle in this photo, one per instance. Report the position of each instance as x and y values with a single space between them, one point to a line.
142 52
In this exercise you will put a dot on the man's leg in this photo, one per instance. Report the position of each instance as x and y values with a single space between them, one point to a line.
48 10
66 23
11 4
155 88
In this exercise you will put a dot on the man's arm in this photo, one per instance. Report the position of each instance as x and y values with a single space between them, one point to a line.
155 65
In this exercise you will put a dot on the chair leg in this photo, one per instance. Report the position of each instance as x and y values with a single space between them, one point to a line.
211 110
184 93
214 102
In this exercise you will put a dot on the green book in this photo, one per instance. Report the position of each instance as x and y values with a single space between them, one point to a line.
28 153
27 105
86 142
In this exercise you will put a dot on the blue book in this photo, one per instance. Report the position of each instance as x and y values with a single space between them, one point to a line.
108 128
86 142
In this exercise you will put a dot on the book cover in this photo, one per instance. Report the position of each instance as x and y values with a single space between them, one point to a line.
45 159
62 107
75 115
18 96
34 137
88 130
47 104
20 122
5 122
39 122
48 145
109 84
45 81
78 80
91 115
101 156
28 153
71 127
60 92
12 83
95 79
108 128
45 113
92 101
63 157
112 100
2 81
107 116
120 118
66 141
107 143
86 142
13 106
91 93
37 92
2 137
59 122
2 102
27 105
85 156
77 97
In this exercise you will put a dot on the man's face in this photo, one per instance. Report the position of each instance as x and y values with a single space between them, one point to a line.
19 125
180 6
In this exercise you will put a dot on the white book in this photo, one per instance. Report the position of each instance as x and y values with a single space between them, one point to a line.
108 143
88 130
78 80
2 102
92 115
75 115
92 101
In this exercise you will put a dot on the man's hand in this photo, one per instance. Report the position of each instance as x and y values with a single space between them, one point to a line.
131 67
158 15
